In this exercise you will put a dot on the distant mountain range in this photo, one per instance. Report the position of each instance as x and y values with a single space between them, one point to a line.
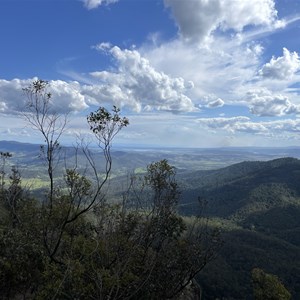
184 159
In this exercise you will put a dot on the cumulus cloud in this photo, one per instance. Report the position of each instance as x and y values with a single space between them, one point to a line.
179 77
283 67
217 103
66 96
222 123
197 19
3 106
135 82
11 96
224 70
264 103
92 4
223 63
239 14
211 101
280 128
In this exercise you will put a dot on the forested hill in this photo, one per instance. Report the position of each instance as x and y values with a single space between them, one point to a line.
257 205
244 188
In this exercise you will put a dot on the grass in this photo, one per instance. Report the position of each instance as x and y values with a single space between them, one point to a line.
35 183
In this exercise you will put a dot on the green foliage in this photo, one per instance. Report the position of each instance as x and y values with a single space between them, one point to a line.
141 251
229 275
21 251
106 125
257 206
268 287
3 157
20 263
243 189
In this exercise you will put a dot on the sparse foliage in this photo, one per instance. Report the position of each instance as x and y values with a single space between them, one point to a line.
106 125
50 124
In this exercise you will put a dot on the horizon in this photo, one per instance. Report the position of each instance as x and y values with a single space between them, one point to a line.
137 147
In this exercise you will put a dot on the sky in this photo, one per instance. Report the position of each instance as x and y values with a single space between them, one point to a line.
186 73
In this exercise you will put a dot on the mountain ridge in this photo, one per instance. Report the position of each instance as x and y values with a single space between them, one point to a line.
258 207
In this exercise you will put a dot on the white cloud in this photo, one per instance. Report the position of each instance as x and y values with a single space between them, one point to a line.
286 128
65 96
212 101
217 103
240 13
263 103
92 4
3 106
136 83
221 123
12 97
250 127
281 68
178 76
226 69
197 19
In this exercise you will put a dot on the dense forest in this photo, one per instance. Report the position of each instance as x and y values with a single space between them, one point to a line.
94 232
257 206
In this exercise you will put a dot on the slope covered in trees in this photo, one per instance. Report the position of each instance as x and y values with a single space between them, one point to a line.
245 188
258 206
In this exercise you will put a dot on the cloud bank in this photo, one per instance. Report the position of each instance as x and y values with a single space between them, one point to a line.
286 128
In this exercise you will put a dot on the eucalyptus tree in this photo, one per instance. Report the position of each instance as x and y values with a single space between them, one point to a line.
61 209
50 124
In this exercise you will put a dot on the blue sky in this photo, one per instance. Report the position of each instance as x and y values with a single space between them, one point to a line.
188 73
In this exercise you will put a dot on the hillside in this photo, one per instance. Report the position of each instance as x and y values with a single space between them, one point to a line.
257 205
241 189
